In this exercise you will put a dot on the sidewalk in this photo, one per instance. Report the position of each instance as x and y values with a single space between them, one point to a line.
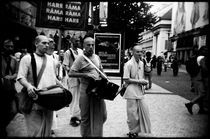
169 118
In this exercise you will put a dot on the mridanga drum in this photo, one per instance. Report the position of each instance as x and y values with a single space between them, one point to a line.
53 97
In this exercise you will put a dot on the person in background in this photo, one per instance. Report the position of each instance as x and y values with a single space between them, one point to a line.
24 52
154 61
159 65
73 83
191 62
50 52
39 119
165 64
148 69
9 69
200 82
17 56
93 110
138 118
175 66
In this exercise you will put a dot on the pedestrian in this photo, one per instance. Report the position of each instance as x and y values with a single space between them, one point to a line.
175 66
62 73
165 63
17 55
148 69
39 119
159 65
200 82
9 69
138 118
154 61
73 83
93 110
24 52
192 67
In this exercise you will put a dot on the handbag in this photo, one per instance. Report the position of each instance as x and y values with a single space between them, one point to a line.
102 89
53 97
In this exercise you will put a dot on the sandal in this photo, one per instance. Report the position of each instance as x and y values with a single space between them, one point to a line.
132 135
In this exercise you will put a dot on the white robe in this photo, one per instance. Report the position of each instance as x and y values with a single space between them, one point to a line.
138 118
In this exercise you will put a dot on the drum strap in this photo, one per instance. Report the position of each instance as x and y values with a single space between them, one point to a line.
33 64
102 74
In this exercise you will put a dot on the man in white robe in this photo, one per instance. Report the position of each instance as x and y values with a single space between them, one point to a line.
73 83
138 118
39 120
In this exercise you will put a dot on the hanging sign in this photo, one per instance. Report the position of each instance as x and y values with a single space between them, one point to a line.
69 14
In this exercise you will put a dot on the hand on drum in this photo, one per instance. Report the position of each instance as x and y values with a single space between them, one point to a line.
32 92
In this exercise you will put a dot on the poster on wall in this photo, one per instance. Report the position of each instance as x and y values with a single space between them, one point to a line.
108 48
68 14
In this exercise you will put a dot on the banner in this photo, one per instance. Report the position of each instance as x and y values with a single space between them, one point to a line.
68 14
103 13
108 48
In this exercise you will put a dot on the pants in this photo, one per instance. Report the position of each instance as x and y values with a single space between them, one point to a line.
159 69
138 116
74 106
200 90
39 123
54 124
93 114
148 76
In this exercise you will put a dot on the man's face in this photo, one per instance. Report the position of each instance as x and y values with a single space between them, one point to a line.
43 44
9 47
51 47
89 46
76 43
137 52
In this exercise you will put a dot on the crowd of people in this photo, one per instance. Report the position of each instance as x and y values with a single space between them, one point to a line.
71 70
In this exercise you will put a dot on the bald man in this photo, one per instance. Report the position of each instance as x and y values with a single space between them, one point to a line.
39 119
138 118
93 110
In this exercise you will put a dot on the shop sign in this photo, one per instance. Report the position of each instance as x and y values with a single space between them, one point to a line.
68 14
108 48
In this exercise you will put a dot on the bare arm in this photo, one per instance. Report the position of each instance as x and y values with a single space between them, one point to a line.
135 81
74 74
30 88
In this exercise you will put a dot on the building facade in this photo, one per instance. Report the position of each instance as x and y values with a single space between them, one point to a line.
156 39
190 26
18 23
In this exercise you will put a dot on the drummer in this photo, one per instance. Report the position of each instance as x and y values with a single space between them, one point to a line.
39 120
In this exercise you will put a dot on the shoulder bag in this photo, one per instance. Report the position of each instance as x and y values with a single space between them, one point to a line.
102 89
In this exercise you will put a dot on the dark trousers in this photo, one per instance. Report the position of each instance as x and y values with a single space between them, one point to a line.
175 71
159 70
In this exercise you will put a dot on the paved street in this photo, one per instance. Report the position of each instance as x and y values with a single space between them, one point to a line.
169 118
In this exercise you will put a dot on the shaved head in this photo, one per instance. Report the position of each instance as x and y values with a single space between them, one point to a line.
88 46
41 37
137 52
41 43
88 39
137 48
